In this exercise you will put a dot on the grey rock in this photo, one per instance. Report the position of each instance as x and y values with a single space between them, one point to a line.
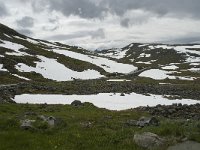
77 103
87 124
42 117
30 113
146 121
122 94
27 124
148 140
50 120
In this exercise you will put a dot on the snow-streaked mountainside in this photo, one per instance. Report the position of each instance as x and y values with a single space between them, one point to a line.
22 55
162 61
25 58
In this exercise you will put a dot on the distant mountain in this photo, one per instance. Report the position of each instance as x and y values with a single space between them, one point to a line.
164 61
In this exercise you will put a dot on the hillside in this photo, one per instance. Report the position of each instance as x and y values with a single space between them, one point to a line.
37 66
21 55
163 61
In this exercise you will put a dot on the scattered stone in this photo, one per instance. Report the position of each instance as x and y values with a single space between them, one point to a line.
27 124
146 121
143 121
86 124
50 120
187 145
42 117
30 113
175 111
122 94
77 103
148 140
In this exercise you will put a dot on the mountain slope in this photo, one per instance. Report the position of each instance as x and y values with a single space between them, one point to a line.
34 59
39 66
162 61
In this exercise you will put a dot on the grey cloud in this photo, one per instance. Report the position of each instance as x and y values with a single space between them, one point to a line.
25 32
25 22
98 34
160 7
82 8
125 22
3 10
98 8
53 20
81 34
46 28
39 5
187 39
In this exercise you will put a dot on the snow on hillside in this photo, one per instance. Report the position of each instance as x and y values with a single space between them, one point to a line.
192 54
13 46
170 67
51 69
115 53
158 74
194 69
21 77
1 68
183 49
108 65
112 101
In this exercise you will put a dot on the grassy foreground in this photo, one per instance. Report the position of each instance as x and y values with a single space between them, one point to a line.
85 127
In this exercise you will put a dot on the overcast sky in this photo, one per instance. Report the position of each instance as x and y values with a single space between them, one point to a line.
96 24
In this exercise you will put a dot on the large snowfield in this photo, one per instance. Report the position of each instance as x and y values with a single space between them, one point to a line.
111 101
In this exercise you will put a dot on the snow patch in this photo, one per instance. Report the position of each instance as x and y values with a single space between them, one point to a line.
109 101
15 47
194 69
108 65
158 74
1 68
141 62
172 67
51 69
118 80
144 55
21 77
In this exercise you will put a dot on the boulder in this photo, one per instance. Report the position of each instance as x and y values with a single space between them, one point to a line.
27 124
87 124
50 120
146 121
122 94
77 103
148 140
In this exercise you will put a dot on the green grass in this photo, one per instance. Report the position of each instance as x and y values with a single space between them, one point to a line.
104 133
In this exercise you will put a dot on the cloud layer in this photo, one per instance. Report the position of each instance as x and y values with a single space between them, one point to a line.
104 23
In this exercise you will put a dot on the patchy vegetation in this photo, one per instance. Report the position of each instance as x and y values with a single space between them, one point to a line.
84 127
